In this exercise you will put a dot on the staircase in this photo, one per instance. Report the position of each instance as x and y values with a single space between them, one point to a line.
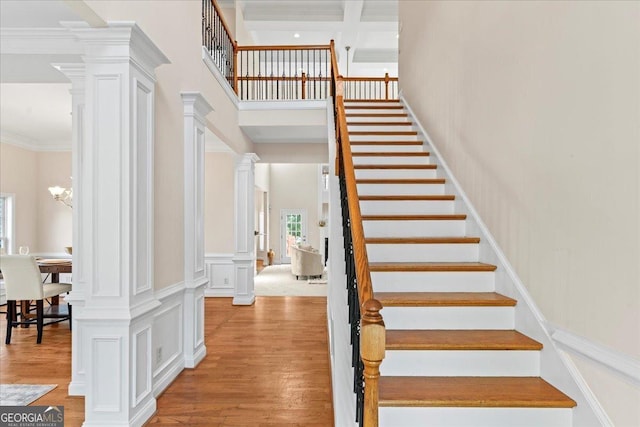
452 356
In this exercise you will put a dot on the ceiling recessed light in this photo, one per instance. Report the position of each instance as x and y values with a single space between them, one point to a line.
296 35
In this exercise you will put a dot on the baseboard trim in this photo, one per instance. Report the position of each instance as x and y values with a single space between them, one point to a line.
242 300
167 376
621 364
199 356
76 389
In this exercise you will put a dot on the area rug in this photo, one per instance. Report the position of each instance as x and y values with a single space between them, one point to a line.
277 280
23 394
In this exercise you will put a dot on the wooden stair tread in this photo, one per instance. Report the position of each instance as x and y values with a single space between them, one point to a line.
401 181
443 299
459 340
379 123
511 392
428 197
395 167
430 266
384 132
445 217
374 107
377 115
422 240
391 154
371 100
386 142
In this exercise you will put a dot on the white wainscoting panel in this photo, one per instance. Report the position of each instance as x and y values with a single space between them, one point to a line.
220 272
167 355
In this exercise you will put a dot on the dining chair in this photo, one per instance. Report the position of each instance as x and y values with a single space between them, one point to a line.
23 282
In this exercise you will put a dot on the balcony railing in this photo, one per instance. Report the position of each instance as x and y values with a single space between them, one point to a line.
281 72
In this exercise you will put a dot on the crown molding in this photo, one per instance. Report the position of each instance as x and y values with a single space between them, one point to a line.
27 143
39 41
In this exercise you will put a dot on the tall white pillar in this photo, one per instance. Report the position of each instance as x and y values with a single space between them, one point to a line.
245 256
76 74
116 195
195 279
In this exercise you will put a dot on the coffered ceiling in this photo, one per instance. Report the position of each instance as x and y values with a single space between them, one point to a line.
368 27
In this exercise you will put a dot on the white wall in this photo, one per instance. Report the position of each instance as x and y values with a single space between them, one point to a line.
535 107
294 186
41 223
219 171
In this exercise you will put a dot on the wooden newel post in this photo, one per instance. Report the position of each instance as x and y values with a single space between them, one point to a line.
372 346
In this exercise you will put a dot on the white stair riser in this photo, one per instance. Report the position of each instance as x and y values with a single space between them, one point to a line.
413 228
388 148
400 189
396 173
448 317
474 417
408 207
433 281
388 138
456 363
380 128
391 160
380 119
428 252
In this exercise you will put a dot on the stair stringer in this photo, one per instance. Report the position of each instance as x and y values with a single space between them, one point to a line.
555 366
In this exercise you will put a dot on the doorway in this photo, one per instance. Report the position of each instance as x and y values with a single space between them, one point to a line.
293 230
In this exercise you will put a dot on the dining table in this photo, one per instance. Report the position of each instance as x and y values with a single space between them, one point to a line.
53 267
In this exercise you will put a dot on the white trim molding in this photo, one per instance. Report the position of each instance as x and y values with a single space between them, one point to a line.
168 358
195 110
621 364
245 254
220 272
228 90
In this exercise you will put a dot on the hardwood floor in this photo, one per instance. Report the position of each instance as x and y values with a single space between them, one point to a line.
266 365
25 362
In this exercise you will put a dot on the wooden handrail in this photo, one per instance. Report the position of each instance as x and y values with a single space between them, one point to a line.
303 76
286 47
224 23
386 78
372 329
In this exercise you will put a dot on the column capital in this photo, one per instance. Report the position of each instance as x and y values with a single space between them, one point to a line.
119 41
74 71
247 159
195 104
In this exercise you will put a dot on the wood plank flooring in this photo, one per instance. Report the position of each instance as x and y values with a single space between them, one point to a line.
266 365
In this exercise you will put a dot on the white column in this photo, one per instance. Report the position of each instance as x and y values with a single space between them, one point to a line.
76 74
244 257
116 195
195 279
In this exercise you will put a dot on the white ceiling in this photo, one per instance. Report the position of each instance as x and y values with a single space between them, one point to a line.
35 103
368 27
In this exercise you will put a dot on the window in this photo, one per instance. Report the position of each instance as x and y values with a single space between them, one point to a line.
6 223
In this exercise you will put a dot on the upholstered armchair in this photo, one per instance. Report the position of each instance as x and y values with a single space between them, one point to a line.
306 261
